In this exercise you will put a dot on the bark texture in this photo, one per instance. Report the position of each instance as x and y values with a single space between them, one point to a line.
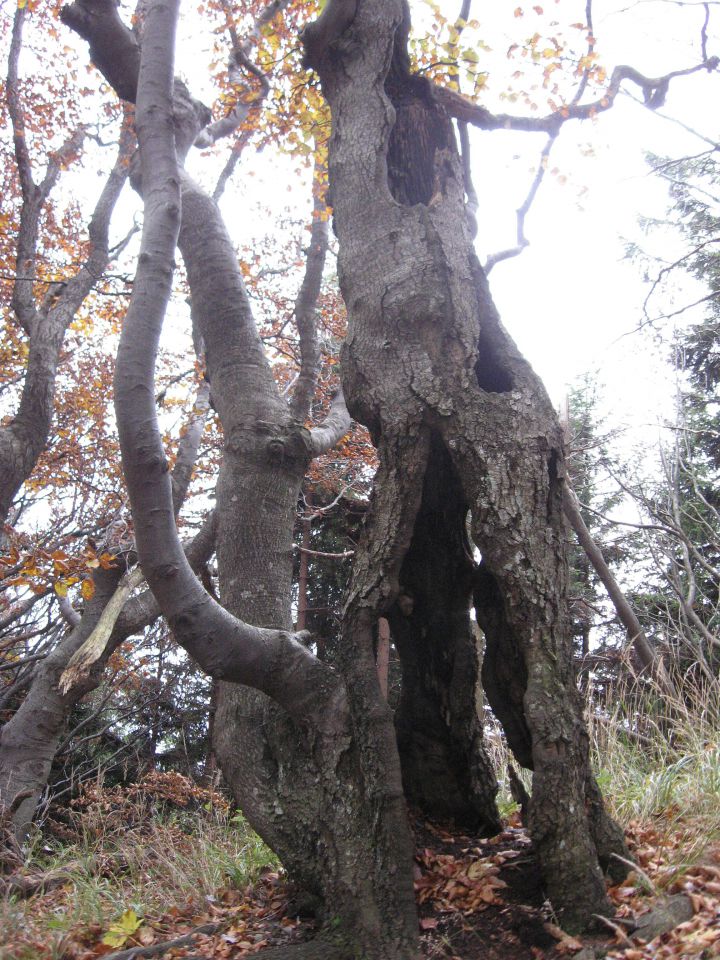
431 371
304 746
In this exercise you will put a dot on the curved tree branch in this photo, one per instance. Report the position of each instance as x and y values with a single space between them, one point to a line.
247 100
114 47
335 426
654 91
269 660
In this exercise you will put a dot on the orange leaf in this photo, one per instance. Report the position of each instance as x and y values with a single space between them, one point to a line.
87 589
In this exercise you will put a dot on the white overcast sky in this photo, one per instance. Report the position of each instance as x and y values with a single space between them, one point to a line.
571 299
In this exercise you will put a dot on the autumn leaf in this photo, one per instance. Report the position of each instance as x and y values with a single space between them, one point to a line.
121 931
87 589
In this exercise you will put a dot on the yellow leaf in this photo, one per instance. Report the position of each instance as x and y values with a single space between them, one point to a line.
21 4
60 588
120 931
87 589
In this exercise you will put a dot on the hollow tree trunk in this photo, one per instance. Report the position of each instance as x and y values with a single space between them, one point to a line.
439 720
430 370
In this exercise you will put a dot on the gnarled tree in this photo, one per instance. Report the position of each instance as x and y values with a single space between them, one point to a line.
470 457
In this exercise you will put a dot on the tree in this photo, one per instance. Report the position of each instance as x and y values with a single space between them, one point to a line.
589 563
467 441
31 736
46 248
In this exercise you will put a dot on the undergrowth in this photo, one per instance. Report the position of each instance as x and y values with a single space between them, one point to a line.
164 847
133 850
659 755
657 760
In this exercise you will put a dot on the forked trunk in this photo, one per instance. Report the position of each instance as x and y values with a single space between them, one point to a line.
453 407
308 793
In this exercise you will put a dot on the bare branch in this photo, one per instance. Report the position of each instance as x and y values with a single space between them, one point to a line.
190 444
336 425
17 119
703 31
582 86
67 611
306 303
654 91
321 553
247 100
524 209
647 655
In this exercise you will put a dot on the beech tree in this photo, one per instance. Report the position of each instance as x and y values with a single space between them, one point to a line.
470 456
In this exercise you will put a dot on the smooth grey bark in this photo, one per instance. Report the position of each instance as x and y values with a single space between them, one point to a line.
427 366
370 895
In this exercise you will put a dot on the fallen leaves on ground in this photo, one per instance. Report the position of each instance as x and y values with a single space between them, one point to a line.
658 853
465 884
477 899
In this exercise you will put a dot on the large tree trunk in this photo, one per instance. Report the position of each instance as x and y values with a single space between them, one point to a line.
305 795
433 374
300 782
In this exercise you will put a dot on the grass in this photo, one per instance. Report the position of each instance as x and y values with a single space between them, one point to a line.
661 759
658 765
128 855
657 761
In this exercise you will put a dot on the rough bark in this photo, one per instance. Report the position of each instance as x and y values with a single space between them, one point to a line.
430 370
359 860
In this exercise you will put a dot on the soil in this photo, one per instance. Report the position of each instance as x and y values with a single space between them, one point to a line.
514 929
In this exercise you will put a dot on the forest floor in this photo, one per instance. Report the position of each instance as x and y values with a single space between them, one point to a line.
128 884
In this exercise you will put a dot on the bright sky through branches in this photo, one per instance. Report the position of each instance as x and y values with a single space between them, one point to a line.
571 298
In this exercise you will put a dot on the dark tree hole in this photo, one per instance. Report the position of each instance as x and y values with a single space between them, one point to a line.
421 129
491 375
504 674
445 771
